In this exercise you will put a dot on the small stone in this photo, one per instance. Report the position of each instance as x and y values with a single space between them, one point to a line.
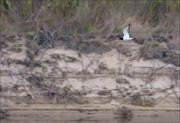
126 88
133 87
104 92
140 40
128 93
124 81
118 80
124 94
113 102
4 114
163 46
103 66
173 46
125 113
114 93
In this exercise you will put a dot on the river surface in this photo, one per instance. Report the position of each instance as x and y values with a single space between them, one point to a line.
95 116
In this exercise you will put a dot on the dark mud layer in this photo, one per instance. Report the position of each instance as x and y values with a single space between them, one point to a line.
90 116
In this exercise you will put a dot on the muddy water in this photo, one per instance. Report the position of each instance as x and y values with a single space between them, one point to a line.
63 116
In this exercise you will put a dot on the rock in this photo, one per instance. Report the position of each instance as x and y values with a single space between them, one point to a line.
70 59
118 80
1 88
104 92
160 83
124 93
133 87
163 46
158 95
114 93
173 58
160 51
149 101
103 66
154 53
173 46
159 36
56 56
124 113
4 114
98 83
124 81
74 83
175 92
113 37
113 102
128 93
148 92
136 99
5 102
142 100
160 39
126 87
139 40
124 50
36 81
3 44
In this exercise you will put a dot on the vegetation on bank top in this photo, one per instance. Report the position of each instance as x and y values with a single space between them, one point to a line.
85 16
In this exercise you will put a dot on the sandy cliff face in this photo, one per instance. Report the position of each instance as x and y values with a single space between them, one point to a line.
122 73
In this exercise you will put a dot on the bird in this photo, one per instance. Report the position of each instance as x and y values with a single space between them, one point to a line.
126 31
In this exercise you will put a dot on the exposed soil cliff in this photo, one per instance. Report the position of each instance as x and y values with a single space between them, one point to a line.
89 70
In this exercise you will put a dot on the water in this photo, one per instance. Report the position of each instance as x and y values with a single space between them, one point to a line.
94 116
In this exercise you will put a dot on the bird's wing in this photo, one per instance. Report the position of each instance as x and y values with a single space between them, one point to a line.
126 32
126 36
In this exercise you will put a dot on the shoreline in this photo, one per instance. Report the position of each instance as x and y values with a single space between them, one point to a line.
90 107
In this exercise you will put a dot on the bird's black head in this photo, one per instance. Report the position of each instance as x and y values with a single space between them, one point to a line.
129 24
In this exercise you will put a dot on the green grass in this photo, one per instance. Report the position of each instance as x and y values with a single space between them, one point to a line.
155 44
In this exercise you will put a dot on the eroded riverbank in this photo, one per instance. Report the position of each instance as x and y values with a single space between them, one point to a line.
66 85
